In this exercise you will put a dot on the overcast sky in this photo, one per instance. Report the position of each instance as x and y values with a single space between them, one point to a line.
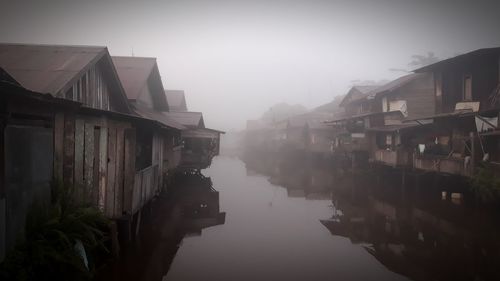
235 58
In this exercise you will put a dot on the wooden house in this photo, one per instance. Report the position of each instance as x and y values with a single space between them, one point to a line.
465 124
158 151
200 144
410 96
376 131
77 128
308 133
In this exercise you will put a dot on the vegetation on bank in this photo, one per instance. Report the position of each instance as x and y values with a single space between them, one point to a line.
54 236
486 184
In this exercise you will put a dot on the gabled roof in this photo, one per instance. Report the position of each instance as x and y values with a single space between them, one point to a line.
176 100
395 84
54 68
188 119
459 58
161 117
138 72
6 78
357 93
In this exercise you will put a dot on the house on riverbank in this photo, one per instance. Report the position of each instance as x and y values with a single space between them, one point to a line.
69 116
199 143
465 125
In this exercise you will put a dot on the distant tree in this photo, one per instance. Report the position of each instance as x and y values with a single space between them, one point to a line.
418 61
423 60
282 111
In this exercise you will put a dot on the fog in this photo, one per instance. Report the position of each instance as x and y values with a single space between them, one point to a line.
235 59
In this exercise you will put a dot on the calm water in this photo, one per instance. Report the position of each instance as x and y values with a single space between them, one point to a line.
305 224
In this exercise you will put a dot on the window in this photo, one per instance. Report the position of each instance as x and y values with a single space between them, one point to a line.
467 91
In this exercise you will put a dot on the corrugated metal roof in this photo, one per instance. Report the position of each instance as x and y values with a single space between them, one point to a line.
201 133
134 73
54 68
395 84
176 100
394 128
478 52
161 117
46 68
357 93
188 119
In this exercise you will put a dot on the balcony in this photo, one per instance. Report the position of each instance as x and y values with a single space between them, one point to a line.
442 164
393 158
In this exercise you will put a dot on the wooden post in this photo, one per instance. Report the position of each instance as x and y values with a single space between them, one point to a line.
115 244
473 154
69 151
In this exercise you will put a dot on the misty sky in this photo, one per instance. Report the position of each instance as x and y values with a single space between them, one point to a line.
235 59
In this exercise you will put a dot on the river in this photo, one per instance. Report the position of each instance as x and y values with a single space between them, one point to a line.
285 223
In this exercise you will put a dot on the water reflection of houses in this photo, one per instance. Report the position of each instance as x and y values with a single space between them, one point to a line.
419 235
299 179
191 209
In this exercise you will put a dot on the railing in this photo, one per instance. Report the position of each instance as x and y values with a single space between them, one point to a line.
392 157
442 164
146 187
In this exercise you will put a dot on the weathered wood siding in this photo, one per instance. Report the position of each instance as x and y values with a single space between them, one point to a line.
95 163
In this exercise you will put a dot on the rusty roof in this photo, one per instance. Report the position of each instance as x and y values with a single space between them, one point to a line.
176 100
136 73
187 118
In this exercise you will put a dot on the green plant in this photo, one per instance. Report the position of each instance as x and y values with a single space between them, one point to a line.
48 252
485 184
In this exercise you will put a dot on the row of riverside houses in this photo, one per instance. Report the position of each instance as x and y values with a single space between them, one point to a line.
441 118
103 126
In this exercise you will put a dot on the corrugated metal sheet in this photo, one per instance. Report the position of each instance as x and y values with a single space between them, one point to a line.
479 52
161 117
45 68
201 133
176 100
395 84
134 73
394 128
357 93
188 119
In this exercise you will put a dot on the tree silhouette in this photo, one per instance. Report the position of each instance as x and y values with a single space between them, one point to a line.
423 60
418 61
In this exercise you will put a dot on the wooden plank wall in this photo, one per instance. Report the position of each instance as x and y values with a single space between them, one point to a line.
96 157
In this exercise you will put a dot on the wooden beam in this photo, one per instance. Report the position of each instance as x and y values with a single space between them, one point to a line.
58 145
129 170
69 150
89 164
79 151
109 207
